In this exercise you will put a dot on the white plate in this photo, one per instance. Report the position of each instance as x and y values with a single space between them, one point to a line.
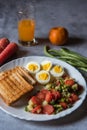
19 112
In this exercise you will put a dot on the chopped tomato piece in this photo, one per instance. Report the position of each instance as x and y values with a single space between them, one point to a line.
36 100
70 100
48 97
44 91
63 104
74 97
56 94
41 96
48 109
69 82
37 109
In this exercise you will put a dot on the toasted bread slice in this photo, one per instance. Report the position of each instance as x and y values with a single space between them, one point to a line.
13 85
22 71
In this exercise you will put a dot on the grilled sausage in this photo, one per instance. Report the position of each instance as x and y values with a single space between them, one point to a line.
8 52
3 43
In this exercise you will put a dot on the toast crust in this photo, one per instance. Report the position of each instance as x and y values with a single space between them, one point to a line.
15 83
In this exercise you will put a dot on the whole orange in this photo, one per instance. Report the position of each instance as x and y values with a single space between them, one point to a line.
58 35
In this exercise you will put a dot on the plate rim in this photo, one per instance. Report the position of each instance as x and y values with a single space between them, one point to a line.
51 117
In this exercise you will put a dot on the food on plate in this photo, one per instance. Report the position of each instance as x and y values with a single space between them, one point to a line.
33 67
46 65
1 49
8 52
15 83
57 71
3 43
55 97
23 72
43 77
58 35
57 92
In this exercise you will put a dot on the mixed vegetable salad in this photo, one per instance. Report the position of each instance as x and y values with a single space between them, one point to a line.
54 97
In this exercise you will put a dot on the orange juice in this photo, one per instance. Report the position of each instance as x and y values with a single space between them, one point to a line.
26 28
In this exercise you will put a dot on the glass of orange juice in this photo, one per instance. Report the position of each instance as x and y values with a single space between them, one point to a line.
26 26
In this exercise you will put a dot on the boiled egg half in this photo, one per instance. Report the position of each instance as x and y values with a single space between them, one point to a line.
33 67
57 71
46 65
43 77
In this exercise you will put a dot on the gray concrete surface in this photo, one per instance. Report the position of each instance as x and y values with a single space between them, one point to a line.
71 14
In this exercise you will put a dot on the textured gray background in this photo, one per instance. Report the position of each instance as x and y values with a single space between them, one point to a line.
71 14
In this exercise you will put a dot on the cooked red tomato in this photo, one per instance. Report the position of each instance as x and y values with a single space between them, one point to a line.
48 97
44 91
41 96
69 82
70 100
56 94
74 97
36 100
63 104
37 109
48 109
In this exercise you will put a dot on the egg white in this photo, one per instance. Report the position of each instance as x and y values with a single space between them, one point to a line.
57 74
34 63
42 81
45 63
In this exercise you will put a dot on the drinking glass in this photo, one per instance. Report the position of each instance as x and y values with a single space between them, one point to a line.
26 25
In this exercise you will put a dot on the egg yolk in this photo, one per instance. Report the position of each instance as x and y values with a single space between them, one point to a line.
32 67
46 66
57 69
43 76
